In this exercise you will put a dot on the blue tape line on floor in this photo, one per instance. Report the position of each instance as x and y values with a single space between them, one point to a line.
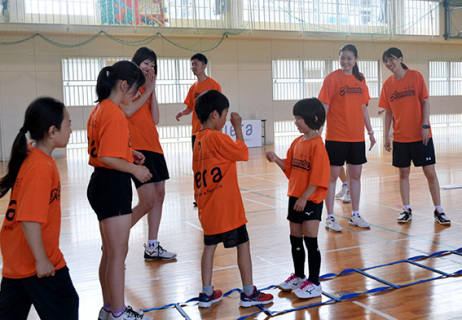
330 276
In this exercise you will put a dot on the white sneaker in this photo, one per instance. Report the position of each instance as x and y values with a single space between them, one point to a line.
292 282
130 314
103 314
308 290
347 197
332 224
157 253
356 220
342 192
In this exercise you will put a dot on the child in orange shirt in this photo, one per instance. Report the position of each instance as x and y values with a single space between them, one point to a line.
34 269
404 98
307 168
219 201
142 117
109 190
345 97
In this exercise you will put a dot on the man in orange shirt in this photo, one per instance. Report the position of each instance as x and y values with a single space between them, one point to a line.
221 211
203 83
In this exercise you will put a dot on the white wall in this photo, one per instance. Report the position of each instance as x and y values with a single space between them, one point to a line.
241 64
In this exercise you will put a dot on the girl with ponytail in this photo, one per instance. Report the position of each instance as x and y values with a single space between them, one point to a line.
34 269
404 98
109 190
345 97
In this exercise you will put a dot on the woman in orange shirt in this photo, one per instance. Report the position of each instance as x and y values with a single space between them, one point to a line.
404 97
142 117
34 270
345 96
109 190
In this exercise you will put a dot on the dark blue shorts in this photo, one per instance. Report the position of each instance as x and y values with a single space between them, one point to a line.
230 239
156 164
351 152
54 298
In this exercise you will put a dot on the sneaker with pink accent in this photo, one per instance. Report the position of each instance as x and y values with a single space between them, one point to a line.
257 297
308 290
292 282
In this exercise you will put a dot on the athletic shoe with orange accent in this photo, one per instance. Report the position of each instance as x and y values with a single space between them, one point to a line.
206 301
257 297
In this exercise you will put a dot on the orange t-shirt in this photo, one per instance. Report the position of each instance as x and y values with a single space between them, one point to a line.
216 188
345 96
35 197
108 135
143 131
404 98
307 163
196 90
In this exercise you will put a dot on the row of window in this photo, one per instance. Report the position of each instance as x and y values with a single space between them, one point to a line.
381 17
292 79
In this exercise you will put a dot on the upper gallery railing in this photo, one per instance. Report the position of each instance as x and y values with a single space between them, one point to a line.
380 17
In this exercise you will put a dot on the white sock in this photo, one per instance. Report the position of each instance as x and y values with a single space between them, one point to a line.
152 243
330 215
439 209
354 213
406 207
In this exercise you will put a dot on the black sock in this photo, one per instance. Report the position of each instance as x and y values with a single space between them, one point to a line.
314 259
298 256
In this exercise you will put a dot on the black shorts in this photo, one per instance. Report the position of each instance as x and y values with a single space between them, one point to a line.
312 211
351 152
110 193
54 298
156 164
421 155
230 239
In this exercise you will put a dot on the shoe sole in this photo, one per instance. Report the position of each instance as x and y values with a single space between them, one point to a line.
253 303
443 223
404 221
347 201
148 258
208 304
309 297
284 289
355 225
332 230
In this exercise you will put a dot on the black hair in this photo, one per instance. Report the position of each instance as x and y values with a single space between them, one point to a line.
352 48
208 102
393 53
200 57
121 70
41 114
312 111
144 53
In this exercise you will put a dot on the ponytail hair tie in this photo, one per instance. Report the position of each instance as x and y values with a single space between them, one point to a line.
23 130
109 70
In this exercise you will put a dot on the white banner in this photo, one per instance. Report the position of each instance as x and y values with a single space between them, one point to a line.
251 130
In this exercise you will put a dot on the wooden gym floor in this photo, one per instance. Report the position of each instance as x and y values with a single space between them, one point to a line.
263 186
